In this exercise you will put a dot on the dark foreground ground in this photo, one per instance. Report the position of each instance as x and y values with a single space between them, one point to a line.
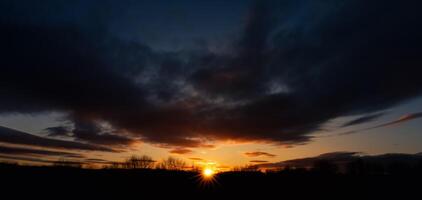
58 183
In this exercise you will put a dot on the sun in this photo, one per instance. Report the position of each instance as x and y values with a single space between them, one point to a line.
208 173
208 177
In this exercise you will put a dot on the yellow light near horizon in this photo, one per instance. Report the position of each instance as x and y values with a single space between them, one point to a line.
208 172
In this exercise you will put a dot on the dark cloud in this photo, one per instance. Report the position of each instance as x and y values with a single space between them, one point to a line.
92 133
294 66
237 75
27 159
57 131
364 119
259 153
35 152
11 136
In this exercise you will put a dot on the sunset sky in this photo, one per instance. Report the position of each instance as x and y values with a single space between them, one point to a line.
221 82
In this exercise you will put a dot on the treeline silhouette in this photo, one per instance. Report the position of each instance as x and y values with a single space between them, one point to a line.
146 162
173 176
356 166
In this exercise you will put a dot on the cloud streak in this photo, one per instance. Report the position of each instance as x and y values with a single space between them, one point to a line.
259 153
36 152
258 161
196 159
181 151
402 119
364 119
12 136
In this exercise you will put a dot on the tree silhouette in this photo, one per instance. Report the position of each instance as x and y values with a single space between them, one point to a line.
139 162
115 165
171 163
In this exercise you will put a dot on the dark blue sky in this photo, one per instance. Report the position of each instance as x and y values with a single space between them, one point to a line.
162 24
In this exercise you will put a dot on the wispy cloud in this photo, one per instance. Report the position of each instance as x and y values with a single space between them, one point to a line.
196 159
402 119
12 136
181 151
258 161
364 119
259 153
36 152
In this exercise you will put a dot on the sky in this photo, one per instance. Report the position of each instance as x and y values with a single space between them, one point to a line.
224 82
